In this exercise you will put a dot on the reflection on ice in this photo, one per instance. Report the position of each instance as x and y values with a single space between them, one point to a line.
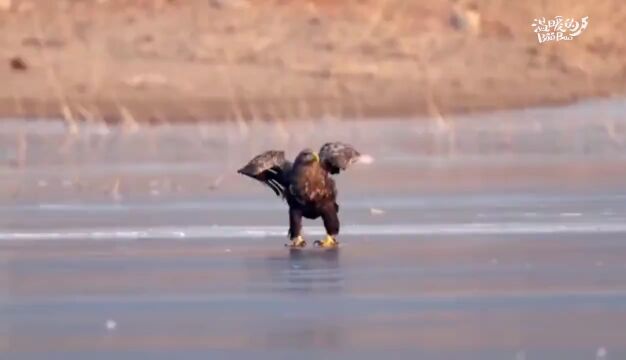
304 271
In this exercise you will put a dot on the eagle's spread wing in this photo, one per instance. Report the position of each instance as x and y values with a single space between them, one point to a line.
270 168
336 156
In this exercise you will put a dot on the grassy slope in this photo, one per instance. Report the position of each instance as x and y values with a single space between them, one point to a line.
151 60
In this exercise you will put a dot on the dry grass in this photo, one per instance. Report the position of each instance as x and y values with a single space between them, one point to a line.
250 60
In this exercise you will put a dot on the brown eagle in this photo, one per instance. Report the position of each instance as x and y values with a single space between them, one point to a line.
306 185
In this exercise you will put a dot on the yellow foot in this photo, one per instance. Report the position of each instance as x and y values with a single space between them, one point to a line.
297 242
328 242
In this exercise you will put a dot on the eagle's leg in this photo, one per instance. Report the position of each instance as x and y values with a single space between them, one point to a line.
295 228
331 224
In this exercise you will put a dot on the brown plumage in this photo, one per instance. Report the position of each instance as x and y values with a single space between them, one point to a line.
306 184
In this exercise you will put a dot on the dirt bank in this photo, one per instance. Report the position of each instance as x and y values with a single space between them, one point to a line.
150 60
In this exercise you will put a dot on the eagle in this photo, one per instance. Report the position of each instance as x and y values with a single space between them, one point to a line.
306 184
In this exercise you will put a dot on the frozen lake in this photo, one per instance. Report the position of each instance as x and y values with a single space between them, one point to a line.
483 237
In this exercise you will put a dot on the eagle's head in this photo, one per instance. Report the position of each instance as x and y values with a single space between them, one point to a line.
307 156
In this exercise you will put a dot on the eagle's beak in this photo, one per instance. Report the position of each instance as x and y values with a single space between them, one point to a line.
365 159
317 157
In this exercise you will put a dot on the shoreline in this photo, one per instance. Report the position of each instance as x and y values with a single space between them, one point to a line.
155 111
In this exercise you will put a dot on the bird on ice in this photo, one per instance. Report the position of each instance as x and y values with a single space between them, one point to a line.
306 185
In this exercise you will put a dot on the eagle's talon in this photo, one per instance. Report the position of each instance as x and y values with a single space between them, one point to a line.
328 242
297 242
